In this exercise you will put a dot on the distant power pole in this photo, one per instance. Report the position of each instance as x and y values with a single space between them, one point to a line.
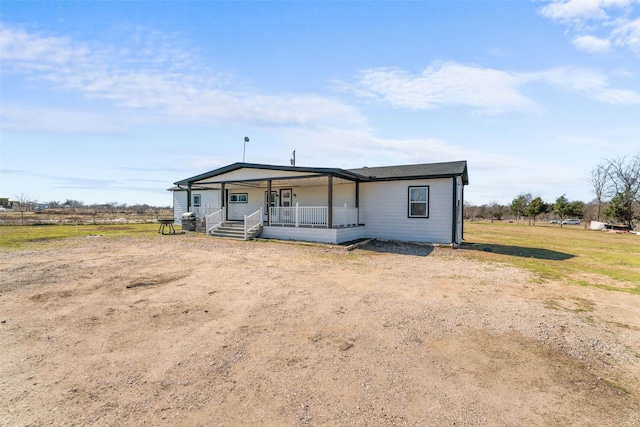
293 158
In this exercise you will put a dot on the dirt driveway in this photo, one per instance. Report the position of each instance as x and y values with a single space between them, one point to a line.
185 330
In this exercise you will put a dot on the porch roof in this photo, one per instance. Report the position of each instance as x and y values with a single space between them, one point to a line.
366 174
299 172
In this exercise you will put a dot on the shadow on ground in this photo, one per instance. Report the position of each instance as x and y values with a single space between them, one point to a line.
518 251
398 248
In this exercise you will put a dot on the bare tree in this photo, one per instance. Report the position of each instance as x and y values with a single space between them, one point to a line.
598 180
623 185
24 201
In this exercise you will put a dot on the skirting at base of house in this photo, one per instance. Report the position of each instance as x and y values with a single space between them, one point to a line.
322 235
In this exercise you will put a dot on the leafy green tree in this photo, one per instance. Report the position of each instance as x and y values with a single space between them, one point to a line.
560 208
535 208
519 206
495 211
620 209
623 180
565 209
576 209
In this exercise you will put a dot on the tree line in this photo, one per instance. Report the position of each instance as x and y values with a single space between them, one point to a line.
24 202
615 183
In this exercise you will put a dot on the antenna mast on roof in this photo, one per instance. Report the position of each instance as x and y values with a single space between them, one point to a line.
244 148
293 158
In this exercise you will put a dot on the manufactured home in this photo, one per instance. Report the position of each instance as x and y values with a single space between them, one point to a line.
413 203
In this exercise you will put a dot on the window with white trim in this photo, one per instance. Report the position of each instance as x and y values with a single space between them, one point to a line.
196 200
238 198
419 202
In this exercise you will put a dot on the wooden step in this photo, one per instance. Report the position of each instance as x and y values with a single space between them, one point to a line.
234 231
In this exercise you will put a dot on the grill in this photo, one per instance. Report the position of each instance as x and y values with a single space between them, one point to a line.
166 226
189 221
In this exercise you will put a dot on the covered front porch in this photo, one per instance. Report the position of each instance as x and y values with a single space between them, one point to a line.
284 204
305 223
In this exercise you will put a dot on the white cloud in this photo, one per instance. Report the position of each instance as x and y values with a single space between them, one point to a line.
163 78
579 10
587 83
591 44
609 18
28 118
628 34
488 90
353 148
450 84
16 45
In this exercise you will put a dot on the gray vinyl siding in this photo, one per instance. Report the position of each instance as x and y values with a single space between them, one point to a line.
255 201
208 198
384 210
317 195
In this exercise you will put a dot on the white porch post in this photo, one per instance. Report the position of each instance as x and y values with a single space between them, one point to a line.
269 202
297 216
223 202
358 202
330 202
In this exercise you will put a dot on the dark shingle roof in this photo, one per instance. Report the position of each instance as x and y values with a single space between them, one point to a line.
424 170
378 173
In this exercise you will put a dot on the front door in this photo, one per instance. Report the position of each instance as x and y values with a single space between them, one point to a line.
286 200
286 197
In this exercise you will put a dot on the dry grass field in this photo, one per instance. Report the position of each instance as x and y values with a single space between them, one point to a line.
145 329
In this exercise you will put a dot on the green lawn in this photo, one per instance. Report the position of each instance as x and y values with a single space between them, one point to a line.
571 253
28 237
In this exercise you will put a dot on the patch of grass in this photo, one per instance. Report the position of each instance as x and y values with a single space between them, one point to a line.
29 237
574 304
552 304
571 254
615 386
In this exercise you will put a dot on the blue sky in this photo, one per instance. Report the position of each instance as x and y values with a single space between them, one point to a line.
108 101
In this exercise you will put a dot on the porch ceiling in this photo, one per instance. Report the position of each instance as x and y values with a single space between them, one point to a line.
285 182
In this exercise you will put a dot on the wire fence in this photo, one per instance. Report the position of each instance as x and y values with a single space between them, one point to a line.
80 216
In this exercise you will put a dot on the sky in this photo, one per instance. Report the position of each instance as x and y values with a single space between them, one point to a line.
114 101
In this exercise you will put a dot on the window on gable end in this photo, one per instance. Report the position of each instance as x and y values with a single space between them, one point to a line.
419 202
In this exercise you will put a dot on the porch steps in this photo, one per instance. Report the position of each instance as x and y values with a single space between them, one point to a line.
235 231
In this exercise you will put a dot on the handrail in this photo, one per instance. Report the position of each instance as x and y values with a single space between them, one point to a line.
314 216
216 219
345 216
251 222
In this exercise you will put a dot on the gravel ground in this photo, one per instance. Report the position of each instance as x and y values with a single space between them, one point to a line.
184 330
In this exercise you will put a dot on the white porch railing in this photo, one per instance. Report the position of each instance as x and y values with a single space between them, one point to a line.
214 220
252 222
344 216
202 212
314 216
